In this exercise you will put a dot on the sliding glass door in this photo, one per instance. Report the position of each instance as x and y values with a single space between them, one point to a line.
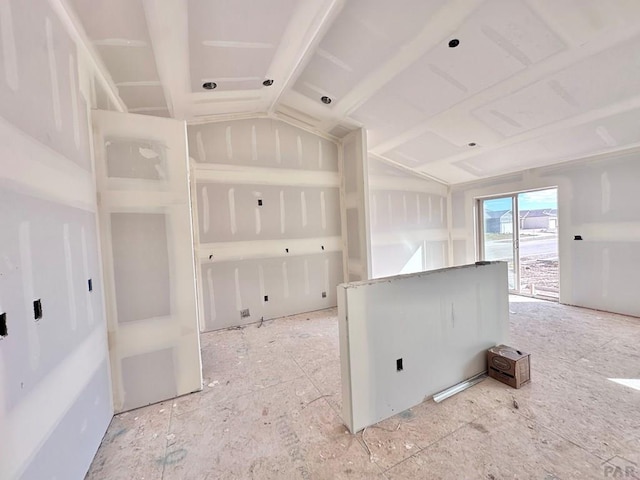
499 234
522 230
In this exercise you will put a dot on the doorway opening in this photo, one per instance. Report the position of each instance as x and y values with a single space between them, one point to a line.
522 230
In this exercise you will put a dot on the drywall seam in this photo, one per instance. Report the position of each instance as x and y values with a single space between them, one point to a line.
614 232
395 237
239 250
58 180
236 174
450 233
8 46
382 182
47 403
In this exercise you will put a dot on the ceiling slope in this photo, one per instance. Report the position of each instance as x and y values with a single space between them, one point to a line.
455 90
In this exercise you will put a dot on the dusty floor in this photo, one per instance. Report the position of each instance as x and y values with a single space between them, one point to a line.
271 409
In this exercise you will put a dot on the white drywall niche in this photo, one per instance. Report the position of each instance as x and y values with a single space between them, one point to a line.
267 220
405 338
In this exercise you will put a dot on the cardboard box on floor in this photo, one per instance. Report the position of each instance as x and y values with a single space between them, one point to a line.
509 365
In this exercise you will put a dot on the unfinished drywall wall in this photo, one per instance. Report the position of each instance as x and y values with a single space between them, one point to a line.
596 200
405 338
148 258
408 221
268 231
55 398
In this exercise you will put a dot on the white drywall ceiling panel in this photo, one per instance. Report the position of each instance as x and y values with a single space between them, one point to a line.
386 115
405 338
613 76
142 96
604 79
425 148
341 61
115 20
599 136
232 43
261 143
505 160
578 21
120 35
502 38
129 63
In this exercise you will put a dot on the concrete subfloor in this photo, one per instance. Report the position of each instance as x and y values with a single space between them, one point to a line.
270 409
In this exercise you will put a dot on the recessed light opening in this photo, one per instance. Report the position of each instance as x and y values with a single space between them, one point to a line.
268 82
472 144
454 42
326 100
209 85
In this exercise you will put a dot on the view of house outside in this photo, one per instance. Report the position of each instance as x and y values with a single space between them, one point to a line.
538 241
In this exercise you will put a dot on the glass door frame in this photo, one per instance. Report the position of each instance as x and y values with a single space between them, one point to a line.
515 221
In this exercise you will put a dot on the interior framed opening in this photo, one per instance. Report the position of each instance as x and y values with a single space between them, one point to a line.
522 229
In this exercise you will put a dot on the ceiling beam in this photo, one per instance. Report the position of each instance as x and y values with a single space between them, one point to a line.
443 23
75 29
168 25
306 29
525 77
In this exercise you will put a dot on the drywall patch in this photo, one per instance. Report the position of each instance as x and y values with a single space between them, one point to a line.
202 153
138 159
303 208
212 297
26 264
8 46
87 273
141 265
605 187
606 272
282 213
232 211
73 313
206 223
53 72
229 143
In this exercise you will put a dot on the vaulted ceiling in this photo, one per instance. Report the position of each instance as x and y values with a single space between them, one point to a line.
458 90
